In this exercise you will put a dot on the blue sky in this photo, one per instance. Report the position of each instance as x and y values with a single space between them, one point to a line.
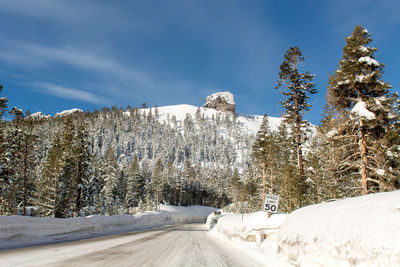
57 55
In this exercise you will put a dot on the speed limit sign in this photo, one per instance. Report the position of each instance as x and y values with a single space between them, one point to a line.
271 203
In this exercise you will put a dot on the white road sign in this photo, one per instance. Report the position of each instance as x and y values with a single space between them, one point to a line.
271 203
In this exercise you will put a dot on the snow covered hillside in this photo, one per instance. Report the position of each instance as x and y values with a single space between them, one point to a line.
249 124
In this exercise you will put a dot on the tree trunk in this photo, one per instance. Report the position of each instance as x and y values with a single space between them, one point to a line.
333 188
364 161
272 181
78 192
77 207
264 183
25 196
289 201
301 190
299 150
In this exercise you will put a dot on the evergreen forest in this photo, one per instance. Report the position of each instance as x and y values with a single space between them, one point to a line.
125 161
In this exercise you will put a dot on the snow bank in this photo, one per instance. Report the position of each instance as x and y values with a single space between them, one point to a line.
361 231
246 226
254 231
21 230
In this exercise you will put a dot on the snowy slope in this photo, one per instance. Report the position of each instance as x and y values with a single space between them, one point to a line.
360 231
250 124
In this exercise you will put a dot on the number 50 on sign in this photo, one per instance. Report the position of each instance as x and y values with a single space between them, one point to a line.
271 203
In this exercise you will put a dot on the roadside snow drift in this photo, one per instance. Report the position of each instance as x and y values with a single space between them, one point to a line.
360 231
18 231
254 231
246 226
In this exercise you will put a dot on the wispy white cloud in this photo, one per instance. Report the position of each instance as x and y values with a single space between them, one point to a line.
80 58
44 57
119 81
69 93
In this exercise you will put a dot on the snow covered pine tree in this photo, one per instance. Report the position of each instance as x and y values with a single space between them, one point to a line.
365 107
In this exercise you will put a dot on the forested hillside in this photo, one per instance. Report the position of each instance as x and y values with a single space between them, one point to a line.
124 160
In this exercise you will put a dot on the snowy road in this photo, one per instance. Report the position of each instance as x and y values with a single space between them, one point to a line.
179 245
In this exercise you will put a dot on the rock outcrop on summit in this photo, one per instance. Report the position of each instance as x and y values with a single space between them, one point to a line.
222 101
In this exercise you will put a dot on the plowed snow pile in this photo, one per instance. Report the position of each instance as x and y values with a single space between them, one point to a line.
249 230
360 231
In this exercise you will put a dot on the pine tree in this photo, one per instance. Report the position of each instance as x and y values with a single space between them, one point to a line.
251 190
263 152
297 86
65 172
188 176
67 181
362 100
337 155
28 164
109 174
10 157
3 104
92 193
48 184
82 158
135 185
17 172
13 158
236 187
158 181
5 171
288 184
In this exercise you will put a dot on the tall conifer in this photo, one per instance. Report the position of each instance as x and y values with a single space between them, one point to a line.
365 107
296 86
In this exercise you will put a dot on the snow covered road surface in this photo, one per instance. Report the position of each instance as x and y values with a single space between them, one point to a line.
179 245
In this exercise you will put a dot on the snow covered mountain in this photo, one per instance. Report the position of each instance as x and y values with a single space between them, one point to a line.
249 123
196 150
